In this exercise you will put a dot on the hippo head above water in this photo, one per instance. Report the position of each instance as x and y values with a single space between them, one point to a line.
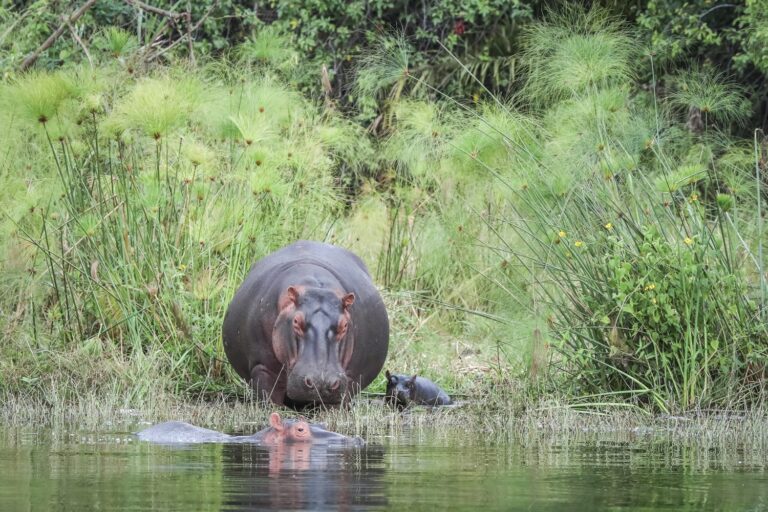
288 431
313 339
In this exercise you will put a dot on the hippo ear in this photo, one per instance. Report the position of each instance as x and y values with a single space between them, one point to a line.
412 380
389 375
289 298
348 300
275 421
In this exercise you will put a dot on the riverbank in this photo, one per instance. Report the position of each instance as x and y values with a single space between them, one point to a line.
487 421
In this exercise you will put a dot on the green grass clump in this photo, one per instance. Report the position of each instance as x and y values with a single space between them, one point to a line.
576 51
650 301
138 225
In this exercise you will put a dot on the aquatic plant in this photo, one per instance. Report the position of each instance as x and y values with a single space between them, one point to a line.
153 230
119 42
574 51
700 92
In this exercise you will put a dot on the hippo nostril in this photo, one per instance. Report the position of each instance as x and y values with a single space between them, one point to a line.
308 382
334 384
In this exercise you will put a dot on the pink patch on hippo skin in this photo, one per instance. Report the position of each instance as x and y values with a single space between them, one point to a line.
298 324
346 342
342 326
283 343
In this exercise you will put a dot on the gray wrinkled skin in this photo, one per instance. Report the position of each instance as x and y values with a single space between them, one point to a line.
179 432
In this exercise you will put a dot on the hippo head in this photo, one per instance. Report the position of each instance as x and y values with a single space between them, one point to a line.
401 389
313 339
288 431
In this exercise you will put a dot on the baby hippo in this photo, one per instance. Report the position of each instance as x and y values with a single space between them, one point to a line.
288 431
278 432
403 390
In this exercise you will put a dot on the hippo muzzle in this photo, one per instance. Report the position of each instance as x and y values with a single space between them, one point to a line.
319 387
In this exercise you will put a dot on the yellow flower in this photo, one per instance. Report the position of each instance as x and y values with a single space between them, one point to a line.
653 300
688 240
561 234
476 97
182 267
650 287
578 243
294 23
609 226
694 198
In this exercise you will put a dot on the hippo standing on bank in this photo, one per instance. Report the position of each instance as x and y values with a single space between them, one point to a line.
307 326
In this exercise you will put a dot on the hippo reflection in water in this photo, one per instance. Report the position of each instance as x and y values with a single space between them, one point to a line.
279 432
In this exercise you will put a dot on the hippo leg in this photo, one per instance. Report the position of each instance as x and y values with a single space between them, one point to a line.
267 384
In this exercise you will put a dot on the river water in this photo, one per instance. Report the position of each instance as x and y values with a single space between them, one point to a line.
82 471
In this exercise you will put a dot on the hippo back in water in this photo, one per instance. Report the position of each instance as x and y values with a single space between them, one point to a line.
279 432
307 326
179 432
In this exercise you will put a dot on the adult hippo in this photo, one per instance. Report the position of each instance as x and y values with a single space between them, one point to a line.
307 326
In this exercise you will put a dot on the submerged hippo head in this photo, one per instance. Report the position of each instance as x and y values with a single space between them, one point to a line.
288 431
313 339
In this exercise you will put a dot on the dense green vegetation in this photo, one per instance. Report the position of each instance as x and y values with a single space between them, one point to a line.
595 236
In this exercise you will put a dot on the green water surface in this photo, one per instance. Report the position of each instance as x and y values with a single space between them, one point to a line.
82 471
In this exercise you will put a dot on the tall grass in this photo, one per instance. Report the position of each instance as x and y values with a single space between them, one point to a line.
647 278
164 189
628 223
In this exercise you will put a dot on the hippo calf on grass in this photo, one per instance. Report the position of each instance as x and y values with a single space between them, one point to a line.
279 432
307 326
404 390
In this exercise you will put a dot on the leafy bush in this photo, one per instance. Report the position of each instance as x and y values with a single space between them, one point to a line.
656 306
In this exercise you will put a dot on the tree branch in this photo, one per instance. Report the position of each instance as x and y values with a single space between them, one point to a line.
153 9
80 42
32 57
191 31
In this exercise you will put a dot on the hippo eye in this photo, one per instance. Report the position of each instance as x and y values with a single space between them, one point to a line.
298 325
341 328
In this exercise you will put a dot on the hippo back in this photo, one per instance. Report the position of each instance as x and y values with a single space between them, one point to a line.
179 432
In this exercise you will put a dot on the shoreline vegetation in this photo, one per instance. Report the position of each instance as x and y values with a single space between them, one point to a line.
549 424
593 242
